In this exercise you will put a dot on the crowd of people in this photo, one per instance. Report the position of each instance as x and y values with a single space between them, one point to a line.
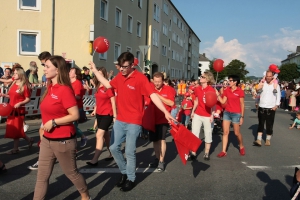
62 107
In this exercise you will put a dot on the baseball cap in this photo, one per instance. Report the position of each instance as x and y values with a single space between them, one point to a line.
191 88
187 94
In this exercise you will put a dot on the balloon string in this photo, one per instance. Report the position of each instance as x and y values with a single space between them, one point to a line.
216 80
95 51
140 68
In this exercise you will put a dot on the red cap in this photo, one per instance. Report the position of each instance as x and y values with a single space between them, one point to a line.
191 88
187 94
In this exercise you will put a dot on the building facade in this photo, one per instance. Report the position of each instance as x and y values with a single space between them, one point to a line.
174 47
293 57
29 27
203 62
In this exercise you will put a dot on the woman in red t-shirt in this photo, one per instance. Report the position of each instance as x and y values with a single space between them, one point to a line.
75 77
234 113
19 94
59 110
201 114
105 111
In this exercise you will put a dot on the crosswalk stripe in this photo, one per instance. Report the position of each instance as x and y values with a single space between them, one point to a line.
114 170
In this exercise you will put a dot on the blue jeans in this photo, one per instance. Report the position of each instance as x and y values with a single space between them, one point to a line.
185 119
174 112
123 131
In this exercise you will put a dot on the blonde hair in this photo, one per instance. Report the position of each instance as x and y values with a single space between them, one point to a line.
23 80
209 77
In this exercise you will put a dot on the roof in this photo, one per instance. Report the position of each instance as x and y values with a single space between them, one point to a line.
203 58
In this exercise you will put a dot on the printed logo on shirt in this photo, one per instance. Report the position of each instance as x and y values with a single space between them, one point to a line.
236 94
18 91
54 96
164 95
204 100
102 91
131 87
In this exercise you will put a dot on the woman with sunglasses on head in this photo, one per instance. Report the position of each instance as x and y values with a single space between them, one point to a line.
105 111
59 110
234 113
19 94
224 87
201 114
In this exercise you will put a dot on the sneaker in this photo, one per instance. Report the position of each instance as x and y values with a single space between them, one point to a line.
91 130
257 143
161 167
206 157
129 185
122 180
26 127
83 142
268 143
34 166
286 110
154 164
242 151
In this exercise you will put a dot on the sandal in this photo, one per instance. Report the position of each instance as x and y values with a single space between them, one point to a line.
30 143
13 151
2 170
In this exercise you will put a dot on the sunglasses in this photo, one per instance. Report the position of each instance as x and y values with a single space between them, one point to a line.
125 67
230 80
203 77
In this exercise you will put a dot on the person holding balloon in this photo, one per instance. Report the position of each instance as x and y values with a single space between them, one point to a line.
202 111
233 97
19 94
132 86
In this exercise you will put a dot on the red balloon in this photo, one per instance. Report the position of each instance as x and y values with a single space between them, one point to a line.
5 109
210 99
135 62
101 44
218 65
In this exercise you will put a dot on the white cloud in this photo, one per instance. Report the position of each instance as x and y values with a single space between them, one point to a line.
258 55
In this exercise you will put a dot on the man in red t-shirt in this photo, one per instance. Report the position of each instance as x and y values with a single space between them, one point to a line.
166 95
132 86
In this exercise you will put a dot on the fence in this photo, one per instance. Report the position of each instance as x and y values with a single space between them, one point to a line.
33 107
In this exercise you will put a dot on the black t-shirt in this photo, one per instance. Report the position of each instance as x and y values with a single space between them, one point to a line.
86 77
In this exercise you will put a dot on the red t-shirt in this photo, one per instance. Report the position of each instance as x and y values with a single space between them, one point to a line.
131 92
79 91
103 102
55 104
201 109
187 104
168 93
15 96
233 99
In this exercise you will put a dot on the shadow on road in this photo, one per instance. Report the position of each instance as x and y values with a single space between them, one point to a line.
274 189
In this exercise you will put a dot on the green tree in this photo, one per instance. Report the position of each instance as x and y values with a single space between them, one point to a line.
237 67
288 72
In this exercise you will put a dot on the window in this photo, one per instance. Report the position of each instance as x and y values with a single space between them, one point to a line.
169 44
129 24
155 37
166 8
164 50
140 3
138 54
173 54
156 13
28 42
165 29
103 56
128 49
118 17
175 19
103 10
168 63
174 37
117 51
29 4
172 73
139 29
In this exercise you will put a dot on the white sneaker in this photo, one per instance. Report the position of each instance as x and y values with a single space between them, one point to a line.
26 127
34 166
286 110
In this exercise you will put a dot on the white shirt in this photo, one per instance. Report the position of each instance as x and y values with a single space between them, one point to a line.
267 98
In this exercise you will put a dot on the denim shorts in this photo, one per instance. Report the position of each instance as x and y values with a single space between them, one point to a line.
233 117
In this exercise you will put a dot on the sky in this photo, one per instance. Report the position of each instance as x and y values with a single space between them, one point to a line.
256 32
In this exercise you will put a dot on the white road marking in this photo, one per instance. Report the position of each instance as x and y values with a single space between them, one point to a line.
290 167
114 170
259 167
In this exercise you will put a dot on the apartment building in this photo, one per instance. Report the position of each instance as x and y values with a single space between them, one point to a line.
294 57
29 27
124 24
174 47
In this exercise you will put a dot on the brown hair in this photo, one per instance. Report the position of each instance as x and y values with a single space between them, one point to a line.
96 81
125 56
298 113
45 55
158 75
209 77
16 65
77 73
63 73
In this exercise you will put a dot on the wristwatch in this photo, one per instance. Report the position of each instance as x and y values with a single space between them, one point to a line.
242 116
53 123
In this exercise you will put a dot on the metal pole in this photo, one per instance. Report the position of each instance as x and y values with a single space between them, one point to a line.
53 26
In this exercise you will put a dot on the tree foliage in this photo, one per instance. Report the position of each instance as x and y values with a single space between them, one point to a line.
288 72
235 67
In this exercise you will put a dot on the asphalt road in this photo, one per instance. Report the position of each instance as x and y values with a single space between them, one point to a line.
263 173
